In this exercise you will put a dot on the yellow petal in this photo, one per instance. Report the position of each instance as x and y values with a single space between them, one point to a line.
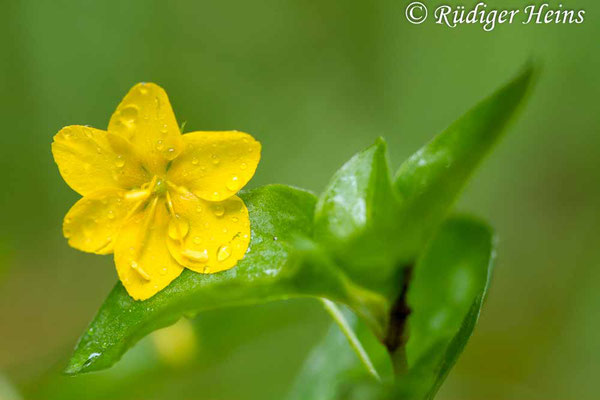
143 261
216 234
146 119
90 159
93 223
215 165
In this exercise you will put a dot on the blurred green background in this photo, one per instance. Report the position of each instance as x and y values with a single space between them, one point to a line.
314 81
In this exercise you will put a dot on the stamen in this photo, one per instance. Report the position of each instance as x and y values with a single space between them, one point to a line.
179 189
142 194
140 270
174 216
137 194
148 221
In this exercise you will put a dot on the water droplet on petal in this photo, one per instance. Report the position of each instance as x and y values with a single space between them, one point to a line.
218 210
223 253
143 89
215 159
235 219
170 153
243 165
194 161
178 228
233 184
163 271
195 255
111 214
199 209
197 240
120 162
160 146
129 114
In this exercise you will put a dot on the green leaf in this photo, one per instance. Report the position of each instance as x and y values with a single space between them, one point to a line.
281 221
356 219
334 368
445 296
430 180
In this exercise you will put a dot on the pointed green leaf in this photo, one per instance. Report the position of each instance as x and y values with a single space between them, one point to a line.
445 296
355 218
272 269
430 180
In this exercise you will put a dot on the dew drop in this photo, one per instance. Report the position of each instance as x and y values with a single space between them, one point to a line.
163 271
178 226
223 253
194 161
111 214
215 195
235 219
170 153
243 165
233 184
218 210
129 114
160 146
195 255
215 159
91 359
198 209
197 240
143 89
120 162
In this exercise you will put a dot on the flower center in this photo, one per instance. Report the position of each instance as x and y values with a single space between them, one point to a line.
160 187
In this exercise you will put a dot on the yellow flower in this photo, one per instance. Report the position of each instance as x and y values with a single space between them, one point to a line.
159 200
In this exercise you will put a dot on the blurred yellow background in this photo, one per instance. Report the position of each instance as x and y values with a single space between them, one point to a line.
315 82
